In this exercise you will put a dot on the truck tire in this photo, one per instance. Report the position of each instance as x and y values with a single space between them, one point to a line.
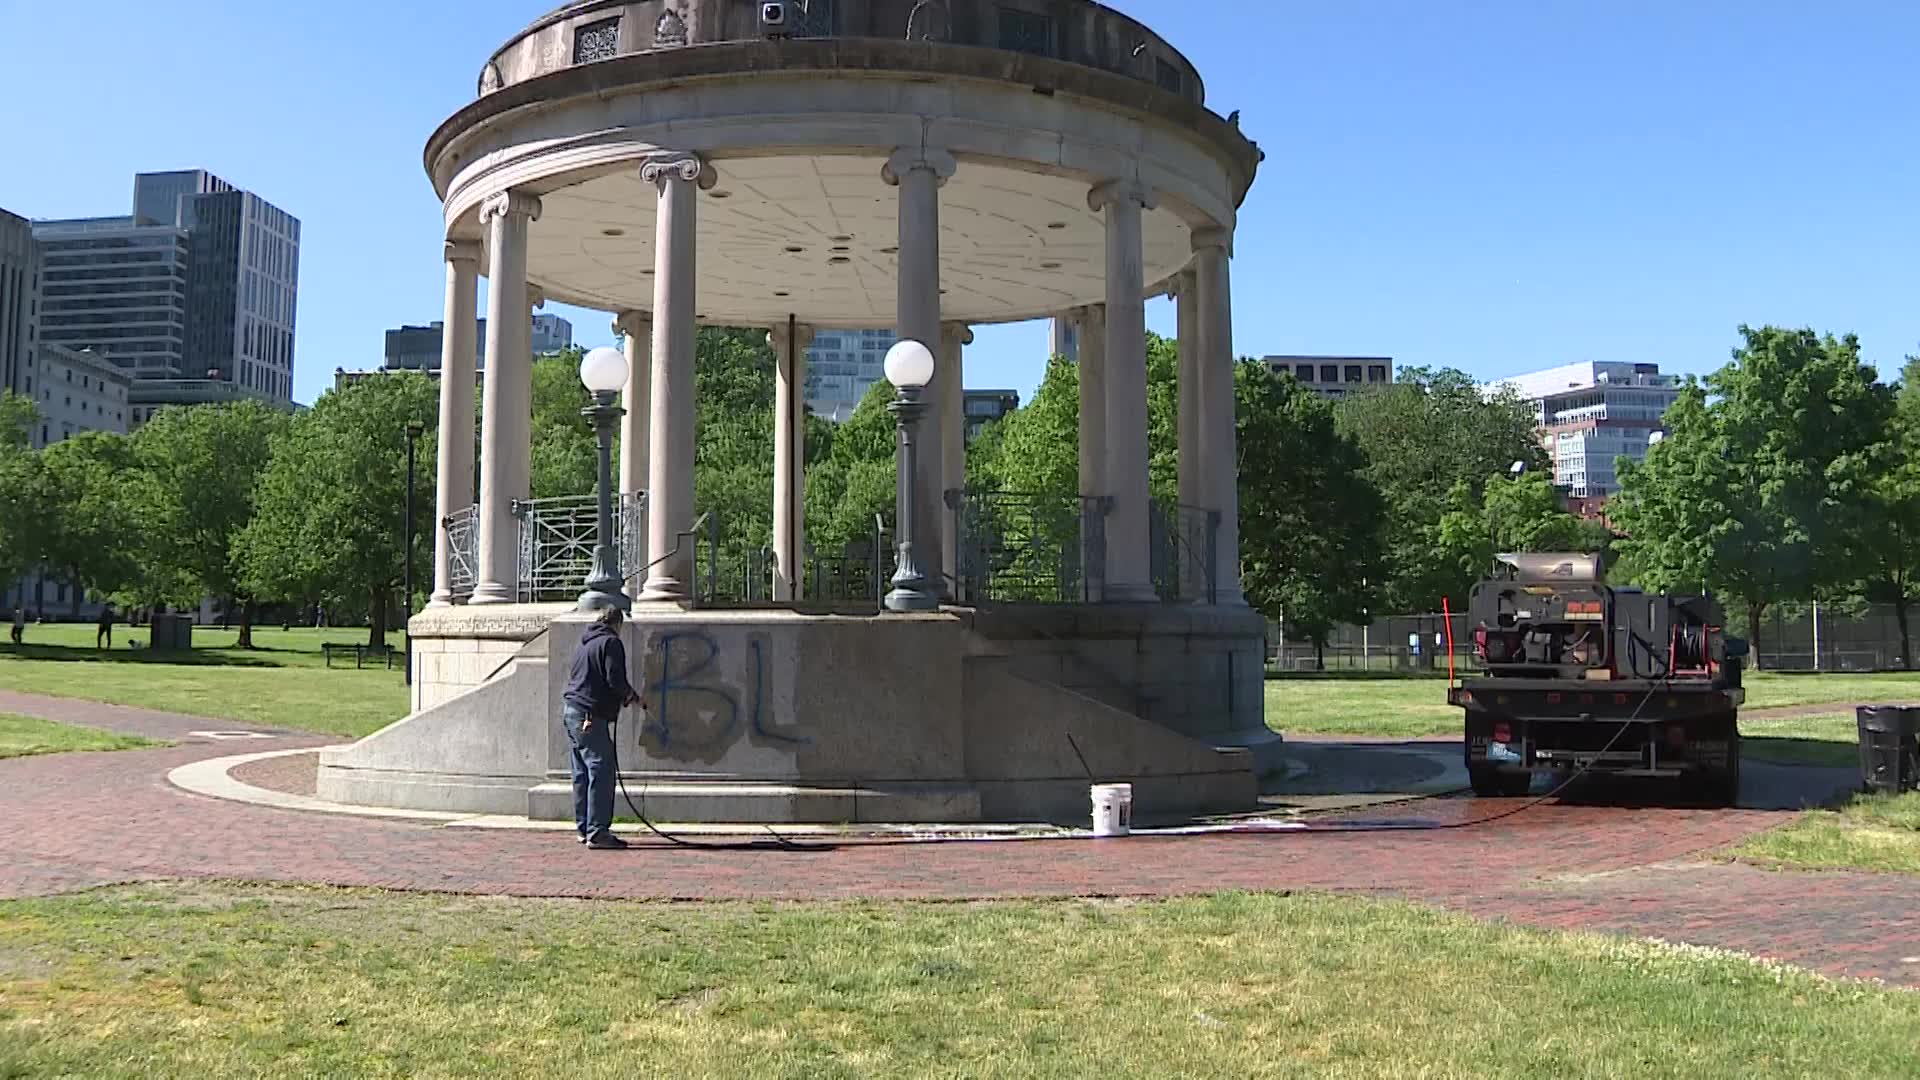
1721 786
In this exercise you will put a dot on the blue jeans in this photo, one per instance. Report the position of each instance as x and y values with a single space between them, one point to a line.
592 765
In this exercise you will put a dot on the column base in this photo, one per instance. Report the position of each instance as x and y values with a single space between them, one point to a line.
664 590
488 593
1118 593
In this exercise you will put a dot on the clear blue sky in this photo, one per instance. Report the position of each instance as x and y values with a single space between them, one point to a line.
1495 186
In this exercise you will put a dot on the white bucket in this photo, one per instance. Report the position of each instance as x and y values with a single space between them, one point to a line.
1112 809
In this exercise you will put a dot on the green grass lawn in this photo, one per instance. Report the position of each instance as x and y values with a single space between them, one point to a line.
214 981
1408 708
282 682
21 736
1873 832
1832 740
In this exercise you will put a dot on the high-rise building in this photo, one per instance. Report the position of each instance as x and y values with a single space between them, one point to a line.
19 301
551 333
842 365
195 289
418 348
983 407
119 288
1594 413
1334 376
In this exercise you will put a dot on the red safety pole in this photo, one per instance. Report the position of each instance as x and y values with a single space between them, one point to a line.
1446 610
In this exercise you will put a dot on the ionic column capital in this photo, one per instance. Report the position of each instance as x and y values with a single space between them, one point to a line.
657 169
906 159
506 203
777 336
1114 192
463 251
1212 238
957 333
634 324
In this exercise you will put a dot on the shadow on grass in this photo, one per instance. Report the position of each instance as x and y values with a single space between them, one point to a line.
66 654
1781 750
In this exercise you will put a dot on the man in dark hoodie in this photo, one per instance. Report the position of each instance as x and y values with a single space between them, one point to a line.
597 689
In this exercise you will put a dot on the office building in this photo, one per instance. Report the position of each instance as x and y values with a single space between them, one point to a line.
418 348
983 407
195 289
78 391
842 365
118 288
19 301
1591 415
551 333
1334 376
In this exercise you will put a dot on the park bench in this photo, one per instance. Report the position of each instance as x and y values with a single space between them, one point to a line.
386 654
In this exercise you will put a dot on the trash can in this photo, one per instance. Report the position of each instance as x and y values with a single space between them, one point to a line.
171 633
1889 747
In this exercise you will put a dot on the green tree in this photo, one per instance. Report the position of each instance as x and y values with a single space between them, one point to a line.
854 481
91 536
1515 514
1035 448
330 510
1886 543
1311 523
1753 492
199 468
1424 437
18 418
563 455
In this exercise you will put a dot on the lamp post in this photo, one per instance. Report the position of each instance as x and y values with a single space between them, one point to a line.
603 372
909 367
1514 472
414 431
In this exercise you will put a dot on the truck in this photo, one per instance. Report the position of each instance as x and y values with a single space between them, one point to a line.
1577 675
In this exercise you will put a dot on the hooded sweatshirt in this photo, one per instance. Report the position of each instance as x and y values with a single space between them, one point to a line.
597 682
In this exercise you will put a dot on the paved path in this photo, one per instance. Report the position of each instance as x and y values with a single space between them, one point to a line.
74 821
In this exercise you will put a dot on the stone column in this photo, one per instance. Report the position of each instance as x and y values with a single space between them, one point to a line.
1218 452
918 172
636 332
949 375
454 488
1129 571
789 460
1191 468
678 178
1090 323
506 452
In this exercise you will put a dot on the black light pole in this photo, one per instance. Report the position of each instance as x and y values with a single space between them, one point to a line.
413 438
603 372
909 367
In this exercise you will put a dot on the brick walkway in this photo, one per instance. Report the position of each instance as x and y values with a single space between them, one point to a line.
81 820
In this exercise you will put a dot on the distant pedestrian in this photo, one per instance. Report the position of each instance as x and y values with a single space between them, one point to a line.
103 636
19 623
597 689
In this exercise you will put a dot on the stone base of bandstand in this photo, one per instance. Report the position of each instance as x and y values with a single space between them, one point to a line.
785 716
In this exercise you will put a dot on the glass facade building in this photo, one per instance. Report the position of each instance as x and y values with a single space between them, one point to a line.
842 365
198 284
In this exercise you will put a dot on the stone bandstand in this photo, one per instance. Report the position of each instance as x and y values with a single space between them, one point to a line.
923 165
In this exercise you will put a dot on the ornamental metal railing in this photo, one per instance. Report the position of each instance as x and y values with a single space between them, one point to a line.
860 574
1184 553
1030 548
557 537
463 544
